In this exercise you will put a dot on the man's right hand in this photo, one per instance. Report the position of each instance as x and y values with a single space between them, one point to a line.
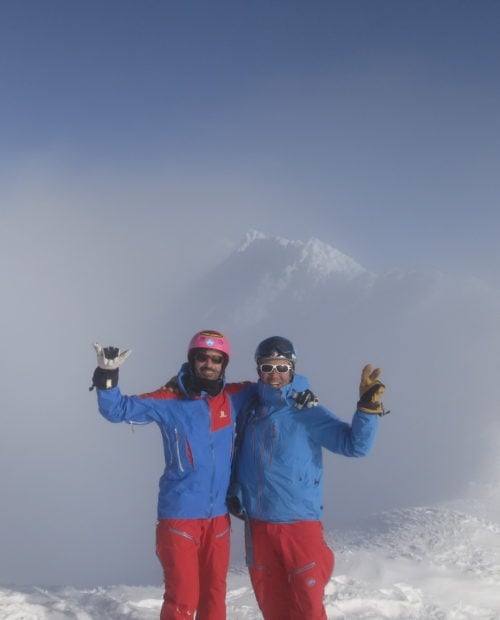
172 385
109 359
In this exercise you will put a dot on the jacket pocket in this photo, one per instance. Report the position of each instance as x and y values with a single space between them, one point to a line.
179 455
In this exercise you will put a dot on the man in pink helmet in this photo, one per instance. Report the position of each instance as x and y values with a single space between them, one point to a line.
197 423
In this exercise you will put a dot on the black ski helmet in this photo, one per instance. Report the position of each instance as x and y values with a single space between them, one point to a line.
278 347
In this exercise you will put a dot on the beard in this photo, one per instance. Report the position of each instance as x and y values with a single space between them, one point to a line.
196 385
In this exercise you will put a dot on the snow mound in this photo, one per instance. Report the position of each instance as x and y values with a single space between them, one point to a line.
123 602
418 564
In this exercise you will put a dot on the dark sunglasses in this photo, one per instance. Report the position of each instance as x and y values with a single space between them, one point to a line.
205 357
277 367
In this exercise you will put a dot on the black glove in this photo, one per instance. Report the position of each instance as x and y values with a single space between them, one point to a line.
234 501
108 359
234 507
104 379
305 399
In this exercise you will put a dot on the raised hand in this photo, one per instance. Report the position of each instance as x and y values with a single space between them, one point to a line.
109 359
371 390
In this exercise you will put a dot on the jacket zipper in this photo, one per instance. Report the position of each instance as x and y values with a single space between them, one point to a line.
212 456
177 450
260 493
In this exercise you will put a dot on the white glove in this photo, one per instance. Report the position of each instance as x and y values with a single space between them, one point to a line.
110 358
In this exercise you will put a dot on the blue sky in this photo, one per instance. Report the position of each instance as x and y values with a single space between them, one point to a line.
373 125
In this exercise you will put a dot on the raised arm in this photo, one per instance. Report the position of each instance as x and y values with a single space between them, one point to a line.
355 439
112 404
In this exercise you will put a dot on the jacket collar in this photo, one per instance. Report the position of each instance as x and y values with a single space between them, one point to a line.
278 398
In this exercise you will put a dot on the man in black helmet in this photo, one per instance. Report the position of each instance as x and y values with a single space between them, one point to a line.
277 480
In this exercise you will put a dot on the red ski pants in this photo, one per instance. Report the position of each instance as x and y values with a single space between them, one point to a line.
290 568
194 554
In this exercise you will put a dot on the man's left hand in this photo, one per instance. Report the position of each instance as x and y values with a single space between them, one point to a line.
371 390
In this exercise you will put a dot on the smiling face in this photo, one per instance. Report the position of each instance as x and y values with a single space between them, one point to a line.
269 371
208 364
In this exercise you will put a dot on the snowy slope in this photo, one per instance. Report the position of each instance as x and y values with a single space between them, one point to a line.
434 563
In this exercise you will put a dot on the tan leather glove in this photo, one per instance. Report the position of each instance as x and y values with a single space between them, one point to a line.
172 385
370 391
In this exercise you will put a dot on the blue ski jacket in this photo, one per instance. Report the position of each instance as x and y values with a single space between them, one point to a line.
198 436
279 468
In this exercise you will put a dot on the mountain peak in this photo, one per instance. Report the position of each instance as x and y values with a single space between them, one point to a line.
276 272
317 258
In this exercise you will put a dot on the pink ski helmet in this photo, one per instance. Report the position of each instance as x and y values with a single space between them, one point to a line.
210 339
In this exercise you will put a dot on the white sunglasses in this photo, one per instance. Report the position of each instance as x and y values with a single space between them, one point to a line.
281 368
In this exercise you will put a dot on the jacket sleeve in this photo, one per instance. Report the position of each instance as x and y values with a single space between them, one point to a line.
355 439
116 407
162 394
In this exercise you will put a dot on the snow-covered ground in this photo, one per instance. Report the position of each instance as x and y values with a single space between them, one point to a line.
430 563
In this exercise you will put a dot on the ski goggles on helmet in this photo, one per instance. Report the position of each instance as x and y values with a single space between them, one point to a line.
281 368
277 347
